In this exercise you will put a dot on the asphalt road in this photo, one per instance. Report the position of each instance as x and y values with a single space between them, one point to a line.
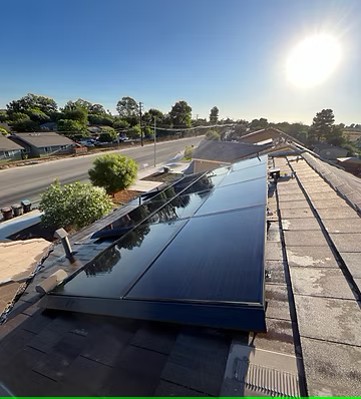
31 180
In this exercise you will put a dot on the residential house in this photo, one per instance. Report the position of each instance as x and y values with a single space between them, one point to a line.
211 154
38 144
329 151
353 135
48 126
351 164
312 280
9 150
269 133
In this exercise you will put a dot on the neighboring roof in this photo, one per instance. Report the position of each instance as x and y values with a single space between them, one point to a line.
349 159
225 151
8 145
326 146
283 149
266 134
48 126
94 129
43 139
19 260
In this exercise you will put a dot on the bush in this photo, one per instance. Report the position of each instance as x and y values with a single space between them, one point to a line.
100 119
25 125
213 135
107 135
188 152
113 172
134 132
3 131
70 125
73 205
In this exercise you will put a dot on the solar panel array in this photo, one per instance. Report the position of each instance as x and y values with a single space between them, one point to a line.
193 253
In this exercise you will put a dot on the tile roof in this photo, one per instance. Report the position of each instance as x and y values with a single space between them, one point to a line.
324 277
312 282
344 183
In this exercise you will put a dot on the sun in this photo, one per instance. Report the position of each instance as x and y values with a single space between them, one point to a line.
313 60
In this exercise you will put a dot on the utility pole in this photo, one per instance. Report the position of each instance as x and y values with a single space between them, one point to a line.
140 123
155 141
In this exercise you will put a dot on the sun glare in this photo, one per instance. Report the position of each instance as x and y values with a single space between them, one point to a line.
313 60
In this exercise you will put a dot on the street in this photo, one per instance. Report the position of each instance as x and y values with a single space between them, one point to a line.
30 181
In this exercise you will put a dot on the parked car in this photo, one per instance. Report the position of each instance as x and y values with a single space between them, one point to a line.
123 138
87 143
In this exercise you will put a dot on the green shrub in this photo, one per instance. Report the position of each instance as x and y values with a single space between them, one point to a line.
73 205
3 131
188 152
114 172
213 135
107 135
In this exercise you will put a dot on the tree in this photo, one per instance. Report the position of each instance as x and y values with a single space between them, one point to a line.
120 124
199 122
77 114
114 172
237 131
108 134
24 124
127 107
100 119
37 115
73 205
335 137
79 103
134 132
258 124
97 109
3 116
322 125
32 101
70 125
213 135
153 115
181 115
213 116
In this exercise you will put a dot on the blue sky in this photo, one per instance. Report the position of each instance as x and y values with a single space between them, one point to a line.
229 53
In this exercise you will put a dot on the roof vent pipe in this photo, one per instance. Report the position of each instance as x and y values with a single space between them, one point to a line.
63 235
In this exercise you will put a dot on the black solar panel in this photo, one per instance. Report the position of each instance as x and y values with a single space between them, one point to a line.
213 258
197 257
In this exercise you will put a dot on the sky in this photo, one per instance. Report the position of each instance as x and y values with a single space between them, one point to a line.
226 53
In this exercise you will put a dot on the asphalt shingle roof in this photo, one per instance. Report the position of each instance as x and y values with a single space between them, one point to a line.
226 151
44 139
8 145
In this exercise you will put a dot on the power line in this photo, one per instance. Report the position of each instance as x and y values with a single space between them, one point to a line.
174 129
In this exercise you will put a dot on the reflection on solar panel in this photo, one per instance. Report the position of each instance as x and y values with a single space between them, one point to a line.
193 253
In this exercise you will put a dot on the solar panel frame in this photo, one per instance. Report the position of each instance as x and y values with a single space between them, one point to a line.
227 312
